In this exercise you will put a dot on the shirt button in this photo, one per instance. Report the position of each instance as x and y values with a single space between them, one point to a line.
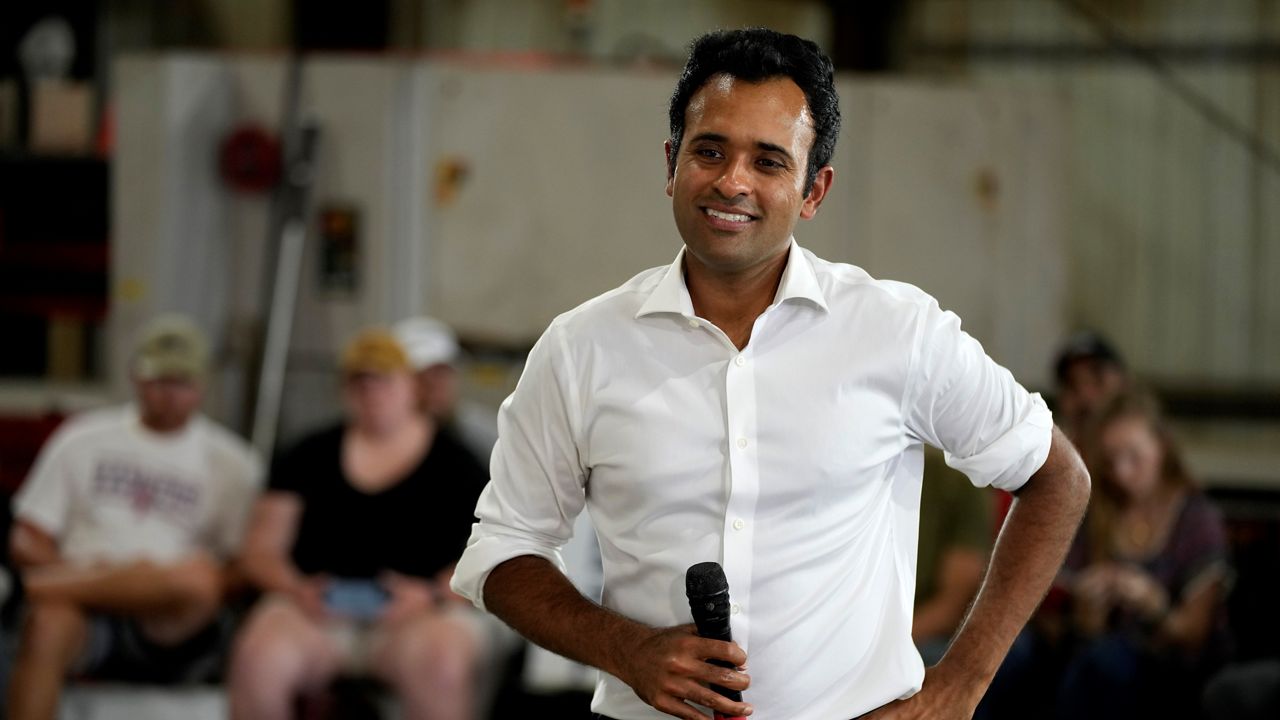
739 524
735 609
742 443
739 361
693 323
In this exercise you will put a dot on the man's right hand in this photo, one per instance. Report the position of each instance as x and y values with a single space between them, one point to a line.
668 669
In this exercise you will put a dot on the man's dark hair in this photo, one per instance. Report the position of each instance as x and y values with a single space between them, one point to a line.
754 55
1086 346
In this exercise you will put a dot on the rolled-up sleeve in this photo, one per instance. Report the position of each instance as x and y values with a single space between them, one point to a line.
535 491
962 401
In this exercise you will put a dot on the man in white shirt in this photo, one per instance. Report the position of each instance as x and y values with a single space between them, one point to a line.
123 529
754 405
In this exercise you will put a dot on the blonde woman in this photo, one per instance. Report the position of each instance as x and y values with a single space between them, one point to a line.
1147 575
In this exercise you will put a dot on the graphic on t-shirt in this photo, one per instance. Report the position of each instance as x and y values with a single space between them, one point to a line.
148 491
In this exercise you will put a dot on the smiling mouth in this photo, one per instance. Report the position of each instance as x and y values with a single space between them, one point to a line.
727 216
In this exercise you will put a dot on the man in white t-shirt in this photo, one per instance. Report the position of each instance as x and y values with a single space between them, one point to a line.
123 528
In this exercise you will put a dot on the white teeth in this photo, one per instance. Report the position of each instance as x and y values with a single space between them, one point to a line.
731 217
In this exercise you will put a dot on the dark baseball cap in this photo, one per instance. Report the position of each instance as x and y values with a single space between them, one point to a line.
1085 345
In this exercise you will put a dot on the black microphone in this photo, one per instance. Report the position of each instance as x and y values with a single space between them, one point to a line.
708 593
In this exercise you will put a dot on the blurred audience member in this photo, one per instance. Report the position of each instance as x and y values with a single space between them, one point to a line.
433 352
354 544
122 529
1089 373
1147 576
956 528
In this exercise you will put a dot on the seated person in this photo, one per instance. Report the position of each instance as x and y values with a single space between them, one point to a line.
956 529
1147 576
122 529
1089 373
434 353
353 545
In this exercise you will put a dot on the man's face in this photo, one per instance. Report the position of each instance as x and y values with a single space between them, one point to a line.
1088 386
438 390
167 403
738 185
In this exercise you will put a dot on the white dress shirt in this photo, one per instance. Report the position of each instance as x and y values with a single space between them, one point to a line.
795 463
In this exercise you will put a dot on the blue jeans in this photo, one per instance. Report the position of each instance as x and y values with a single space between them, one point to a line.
1106 679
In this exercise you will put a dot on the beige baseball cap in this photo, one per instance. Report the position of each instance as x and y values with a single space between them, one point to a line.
171 346
374 351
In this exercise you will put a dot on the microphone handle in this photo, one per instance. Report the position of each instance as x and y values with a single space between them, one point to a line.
733 695
718 629
711 618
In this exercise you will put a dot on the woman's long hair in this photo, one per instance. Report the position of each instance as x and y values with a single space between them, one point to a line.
1108 499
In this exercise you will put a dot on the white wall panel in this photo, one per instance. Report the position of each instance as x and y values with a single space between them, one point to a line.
565 185
1171 230
561 197
1266 325
168 250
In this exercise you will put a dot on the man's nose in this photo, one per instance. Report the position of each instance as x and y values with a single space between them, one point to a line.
735 179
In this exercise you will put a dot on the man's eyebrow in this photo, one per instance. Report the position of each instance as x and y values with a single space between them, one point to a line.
713 137
770 147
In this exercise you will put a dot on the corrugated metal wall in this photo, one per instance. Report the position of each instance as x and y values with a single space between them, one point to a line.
1174 226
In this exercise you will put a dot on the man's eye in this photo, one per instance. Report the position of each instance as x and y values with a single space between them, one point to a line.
707 153
771 164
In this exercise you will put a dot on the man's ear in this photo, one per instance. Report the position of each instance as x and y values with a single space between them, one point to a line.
821 185
667 149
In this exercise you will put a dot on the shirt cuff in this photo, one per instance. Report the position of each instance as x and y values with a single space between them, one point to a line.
1014 457
487 549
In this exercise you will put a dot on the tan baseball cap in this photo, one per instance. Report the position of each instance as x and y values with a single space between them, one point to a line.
171 346
374 351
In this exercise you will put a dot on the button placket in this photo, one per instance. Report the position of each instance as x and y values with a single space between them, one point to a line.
743 491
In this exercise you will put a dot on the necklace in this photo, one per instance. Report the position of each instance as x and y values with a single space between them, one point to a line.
1138 533
1139 527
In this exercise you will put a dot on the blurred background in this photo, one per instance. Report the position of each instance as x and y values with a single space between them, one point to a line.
1040 166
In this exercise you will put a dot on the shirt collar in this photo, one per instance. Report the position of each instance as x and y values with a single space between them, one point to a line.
799 281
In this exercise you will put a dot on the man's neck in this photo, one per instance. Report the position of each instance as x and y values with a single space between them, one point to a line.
156 427
733 301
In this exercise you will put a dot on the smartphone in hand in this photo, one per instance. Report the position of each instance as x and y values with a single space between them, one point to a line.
356 598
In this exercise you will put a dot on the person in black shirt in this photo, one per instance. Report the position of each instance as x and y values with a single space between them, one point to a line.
353 545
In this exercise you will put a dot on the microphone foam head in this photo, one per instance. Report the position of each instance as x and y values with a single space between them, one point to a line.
705 579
